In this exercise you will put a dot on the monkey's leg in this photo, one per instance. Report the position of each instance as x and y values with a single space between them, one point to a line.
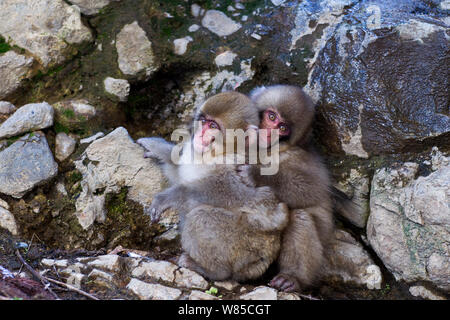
302 253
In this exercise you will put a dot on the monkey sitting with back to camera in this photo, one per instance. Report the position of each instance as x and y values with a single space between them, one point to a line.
230 229
302 182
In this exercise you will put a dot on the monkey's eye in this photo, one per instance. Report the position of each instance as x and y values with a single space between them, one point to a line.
213 125
272 116
283 127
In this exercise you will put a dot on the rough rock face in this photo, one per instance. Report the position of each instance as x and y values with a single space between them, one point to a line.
64 146
13 68
108 164
409 223
135 55
381 79
45 28
219 23
25 164
7 108
7 221
119 88
33 116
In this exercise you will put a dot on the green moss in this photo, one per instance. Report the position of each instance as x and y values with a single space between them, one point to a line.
4 46
74 176
59 127
68 113
11 140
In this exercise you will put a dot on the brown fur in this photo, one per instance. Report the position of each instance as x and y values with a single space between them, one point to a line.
302 182
229 228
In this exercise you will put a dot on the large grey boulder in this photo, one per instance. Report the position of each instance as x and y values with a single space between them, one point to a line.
33 116
379 75
13 68
46 28
409 222
25 164
107 165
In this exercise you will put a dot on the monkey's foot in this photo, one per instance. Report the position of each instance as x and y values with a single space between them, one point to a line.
284 282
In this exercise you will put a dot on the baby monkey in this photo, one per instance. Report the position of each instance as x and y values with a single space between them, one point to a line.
301 182
229 227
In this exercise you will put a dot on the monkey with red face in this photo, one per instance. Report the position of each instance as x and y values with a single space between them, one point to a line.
302 182
229 228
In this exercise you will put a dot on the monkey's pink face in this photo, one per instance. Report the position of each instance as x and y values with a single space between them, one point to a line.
205 134
272 119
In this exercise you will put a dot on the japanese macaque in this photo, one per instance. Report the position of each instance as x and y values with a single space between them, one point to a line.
302 182
229 228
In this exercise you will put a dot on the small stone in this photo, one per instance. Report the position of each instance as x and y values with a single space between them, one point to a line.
64 146
117 87
7 221
244 18
239 6
194 28
256 36
218 23
227 285
108 262
158 270
199 295
261 293
180 45
420 291
30 117
134 50
195 10
90 139
7 107
149 291
52 262
82 107
225 59
288 296
189 279
101 278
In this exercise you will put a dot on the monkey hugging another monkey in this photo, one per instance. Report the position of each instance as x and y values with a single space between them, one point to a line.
234 220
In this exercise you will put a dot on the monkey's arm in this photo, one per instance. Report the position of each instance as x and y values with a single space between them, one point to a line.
156 148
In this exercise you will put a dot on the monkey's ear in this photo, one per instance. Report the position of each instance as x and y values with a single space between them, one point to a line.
257 91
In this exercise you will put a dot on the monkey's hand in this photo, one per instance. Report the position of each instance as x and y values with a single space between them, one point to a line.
245 174
159 204
285 282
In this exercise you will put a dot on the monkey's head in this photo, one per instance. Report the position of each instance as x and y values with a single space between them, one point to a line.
227 110
287 108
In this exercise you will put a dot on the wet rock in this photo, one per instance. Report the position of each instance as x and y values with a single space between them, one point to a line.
64 146
367 109
149 291
44 28
7 108
408 226
13 68
33 116
420 291
7 221
89 7
27 163
135 54
260 293
119 88
109 164
218 23
349 262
